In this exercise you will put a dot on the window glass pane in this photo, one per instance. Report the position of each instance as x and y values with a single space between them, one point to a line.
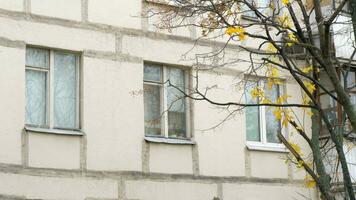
273 126
350 80
37 57
152 102
176 103
152 73
348 126
325 81
261 5
329 106
252 115
36 84
65 91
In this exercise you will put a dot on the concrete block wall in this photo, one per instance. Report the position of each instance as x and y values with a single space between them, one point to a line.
111 160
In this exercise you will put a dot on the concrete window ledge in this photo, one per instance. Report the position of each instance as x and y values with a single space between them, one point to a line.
254 147
164 140
54 131
162 2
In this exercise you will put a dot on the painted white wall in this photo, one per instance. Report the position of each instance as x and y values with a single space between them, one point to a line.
115 13
15 5
154 190
112 113
54 151
12 106
51 188
113 117
171 159
65 9
56 36
262 191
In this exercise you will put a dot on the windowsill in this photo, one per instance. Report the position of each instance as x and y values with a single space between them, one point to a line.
270 148
54 131
162 2
175 141
250 18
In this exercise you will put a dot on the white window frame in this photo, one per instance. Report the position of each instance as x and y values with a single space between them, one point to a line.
50 89
263 144
164 107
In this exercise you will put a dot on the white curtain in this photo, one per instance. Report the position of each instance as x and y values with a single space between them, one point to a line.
65 91
36 97
273 126
36 86
176 103
152 100
252 115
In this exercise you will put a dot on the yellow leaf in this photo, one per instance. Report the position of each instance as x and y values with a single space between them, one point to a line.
282 98
292 38
236 31
273 81
300 164
287 118
306 100
277 113
285 122
242 36
266 101
310 86
309 181
270 84
309 113
274 72
296 149
285 21
310 184
306 69
230 31
285 2
257 93
271 48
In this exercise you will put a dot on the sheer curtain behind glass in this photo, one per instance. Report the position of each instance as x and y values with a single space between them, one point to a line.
273 126
51 89
252 115
152 99
36 97
65 91
176 103
37 66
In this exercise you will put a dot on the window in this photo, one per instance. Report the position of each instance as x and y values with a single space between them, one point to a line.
347 7
52 89
261 5
165 106
332 109
261 126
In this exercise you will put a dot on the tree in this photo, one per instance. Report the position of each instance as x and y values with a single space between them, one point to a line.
278 28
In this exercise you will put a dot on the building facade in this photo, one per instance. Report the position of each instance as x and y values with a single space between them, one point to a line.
81 112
